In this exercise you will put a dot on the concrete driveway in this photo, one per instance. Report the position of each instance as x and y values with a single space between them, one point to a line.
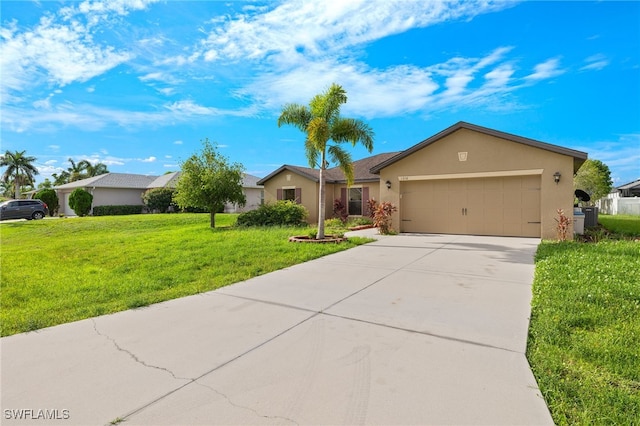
410 329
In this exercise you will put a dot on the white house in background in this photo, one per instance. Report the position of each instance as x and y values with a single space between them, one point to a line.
253 192
110 189
624 199
118 189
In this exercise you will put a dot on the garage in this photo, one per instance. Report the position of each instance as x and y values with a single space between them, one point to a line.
469 179
504 206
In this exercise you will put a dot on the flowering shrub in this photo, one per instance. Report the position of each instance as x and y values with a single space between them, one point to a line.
382 217
562 228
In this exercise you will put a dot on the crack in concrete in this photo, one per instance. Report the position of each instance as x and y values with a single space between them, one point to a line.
133 356
245 407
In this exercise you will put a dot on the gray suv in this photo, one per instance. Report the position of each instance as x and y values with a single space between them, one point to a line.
23 209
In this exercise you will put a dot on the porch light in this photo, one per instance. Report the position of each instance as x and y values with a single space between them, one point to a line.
556 177
388 183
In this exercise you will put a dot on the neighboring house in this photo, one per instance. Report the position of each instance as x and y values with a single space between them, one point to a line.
622 200
466 179
118 189
253 192
631 189
302 185
110 189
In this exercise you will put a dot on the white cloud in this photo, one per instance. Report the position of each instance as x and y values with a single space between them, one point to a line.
149 160
61 47
54 147
328 26
545 70
595 63
622 156
177 143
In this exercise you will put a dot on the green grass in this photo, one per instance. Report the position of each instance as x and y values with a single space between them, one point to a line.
621 224
57 271
584 337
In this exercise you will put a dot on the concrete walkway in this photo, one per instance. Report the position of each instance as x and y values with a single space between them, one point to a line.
427 329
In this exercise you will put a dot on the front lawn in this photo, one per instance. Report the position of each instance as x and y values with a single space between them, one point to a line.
584 337
58 271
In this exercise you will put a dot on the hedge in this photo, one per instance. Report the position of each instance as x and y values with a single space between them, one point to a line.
117 210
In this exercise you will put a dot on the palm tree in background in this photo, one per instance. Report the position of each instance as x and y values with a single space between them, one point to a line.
95 169
76 170
322 123
81 170
19 168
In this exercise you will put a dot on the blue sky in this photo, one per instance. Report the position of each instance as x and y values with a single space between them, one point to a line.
137 84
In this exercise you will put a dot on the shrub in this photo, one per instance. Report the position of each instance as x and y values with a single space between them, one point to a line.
359 221
50 198
382 217
158 199
371 207
80 201
280 213
563 224
340 210
117 210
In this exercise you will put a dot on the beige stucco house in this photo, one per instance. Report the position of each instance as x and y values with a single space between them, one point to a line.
466 179
113 189
302 185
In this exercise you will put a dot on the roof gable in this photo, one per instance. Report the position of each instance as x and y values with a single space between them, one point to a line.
361 170
578 156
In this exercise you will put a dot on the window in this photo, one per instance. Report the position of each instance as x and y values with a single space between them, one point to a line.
289 194
355 201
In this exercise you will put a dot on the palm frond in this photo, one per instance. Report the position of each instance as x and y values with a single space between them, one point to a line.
353 131
342 158
319 133
296 115
312 153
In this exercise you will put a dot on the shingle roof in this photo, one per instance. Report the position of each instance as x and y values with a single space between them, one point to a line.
631 185
168 180
579 157
111 180
361 171
171 179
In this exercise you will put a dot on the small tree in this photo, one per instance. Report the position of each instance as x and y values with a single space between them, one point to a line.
80 201
594 177
209 181
158 199
50 198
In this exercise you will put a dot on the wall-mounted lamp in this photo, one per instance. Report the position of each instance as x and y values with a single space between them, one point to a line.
556 177
388 183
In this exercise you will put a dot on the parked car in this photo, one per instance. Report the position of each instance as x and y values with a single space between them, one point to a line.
23 209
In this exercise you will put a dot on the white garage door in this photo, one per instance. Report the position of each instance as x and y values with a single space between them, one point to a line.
505 206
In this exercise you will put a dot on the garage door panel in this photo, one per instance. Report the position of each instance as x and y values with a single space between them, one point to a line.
508 206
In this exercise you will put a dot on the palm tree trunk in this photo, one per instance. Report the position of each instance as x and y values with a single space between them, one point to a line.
16 181
320 235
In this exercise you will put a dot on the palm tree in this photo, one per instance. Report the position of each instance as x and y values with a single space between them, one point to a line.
60 179
322 123
76 171
96 170
19 168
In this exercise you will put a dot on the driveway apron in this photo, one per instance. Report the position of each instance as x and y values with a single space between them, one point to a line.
409 329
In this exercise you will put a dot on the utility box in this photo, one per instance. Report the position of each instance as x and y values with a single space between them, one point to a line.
590 216
578 222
